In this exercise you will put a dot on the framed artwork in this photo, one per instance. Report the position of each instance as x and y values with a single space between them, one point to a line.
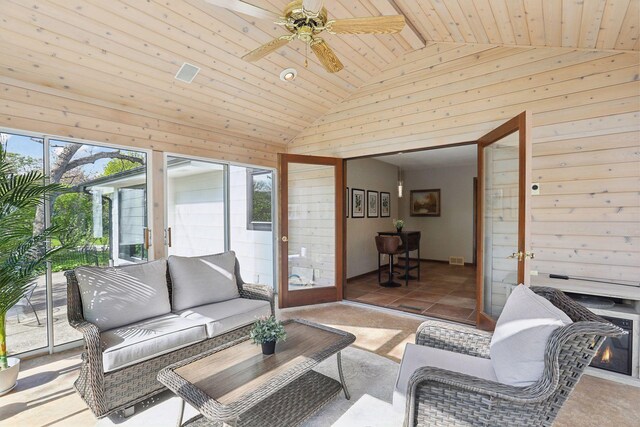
385 204
424 203
357 203
346 202
372 204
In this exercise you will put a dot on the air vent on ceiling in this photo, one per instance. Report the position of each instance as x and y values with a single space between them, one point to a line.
187 73
456 260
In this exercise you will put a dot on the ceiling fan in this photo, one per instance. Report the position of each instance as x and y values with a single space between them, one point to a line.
305 20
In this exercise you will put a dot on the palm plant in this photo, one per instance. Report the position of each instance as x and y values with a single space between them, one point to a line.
23 253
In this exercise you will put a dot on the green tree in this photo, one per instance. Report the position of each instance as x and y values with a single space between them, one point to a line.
115 166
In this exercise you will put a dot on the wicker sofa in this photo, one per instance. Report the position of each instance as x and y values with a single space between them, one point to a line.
107 387
439 397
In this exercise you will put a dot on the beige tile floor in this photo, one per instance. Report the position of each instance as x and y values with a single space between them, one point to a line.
444 291
44 395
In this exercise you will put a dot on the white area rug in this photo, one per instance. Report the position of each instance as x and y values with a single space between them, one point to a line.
365 374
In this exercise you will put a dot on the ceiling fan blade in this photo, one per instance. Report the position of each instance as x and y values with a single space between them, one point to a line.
245 8
266 49
313 6
373 25
326 56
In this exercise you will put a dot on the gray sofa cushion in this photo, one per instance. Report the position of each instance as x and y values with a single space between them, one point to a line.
224 316
117 296
144 340
202 280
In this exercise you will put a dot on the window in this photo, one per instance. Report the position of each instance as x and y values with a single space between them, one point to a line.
259 186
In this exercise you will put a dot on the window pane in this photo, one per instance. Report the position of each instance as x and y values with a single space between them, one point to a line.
102 217
251 197
195 206
27 320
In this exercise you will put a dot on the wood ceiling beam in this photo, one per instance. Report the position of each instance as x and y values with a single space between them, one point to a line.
410 33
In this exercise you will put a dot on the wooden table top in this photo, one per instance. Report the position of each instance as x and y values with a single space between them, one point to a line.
227 375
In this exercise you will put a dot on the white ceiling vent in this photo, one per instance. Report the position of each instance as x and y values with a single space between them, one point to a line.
187 73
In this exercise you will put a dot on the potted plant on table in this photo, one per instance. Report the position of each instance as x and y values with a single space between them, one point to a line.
267 331
398 224
23 251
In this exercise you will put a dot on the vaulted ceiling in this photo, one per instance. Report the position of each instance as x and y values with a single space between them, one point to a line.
124 54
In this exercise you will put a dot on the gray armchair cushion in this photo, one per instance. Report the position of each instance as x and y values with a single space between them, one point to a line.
117 296
202 280
519 342
224 316
418 356
144 340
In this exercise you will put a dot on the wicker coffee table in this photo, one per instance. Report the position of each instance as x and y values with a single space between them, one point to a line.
235 384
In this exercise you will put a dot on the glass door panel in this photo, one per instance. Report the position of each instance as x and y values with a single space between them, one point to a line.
504 176
102 216
26 322
501 185
312 230
196 207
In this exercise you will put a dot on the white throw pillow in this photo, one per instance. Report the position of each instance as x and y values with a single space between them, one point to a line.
202 280
519 341
118 296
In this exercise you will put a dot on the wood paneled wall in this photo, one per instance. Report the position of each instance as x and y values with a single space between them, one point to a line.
586 118
39 108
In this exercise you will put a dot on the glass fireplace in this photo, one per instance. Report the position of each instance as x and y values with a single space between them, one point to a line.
615 354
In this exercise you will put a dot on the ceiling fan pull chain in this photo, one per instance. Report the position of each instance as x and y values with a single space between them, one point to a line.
306 55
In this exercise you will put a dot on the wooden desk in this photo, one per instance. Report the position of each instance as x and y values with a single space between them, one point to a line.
410 243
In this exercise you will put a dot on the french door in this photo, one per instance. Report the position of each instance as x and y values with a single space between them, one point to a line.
504 182
311 229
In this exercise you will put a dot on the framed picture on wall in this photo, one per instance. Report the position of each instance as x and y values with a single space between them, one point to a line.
372 204
424 203
385 204
346 202
357 203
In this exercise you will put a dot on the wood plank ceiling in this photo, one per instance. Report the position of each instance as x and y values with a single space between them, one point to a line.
120 56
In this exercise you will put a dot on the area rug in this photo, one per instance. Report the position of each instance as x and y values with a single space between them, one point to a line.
365 374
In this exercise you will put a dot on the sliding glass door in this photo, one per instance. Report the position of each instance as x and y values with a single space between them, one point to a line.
102 217
27 320
212 207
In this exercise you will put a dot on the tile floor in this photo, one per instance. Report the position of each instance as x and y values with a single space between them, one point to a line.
444 291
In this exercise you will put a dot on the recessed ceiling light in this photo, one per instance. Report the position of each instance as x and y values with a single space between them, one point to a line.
288 74
187 73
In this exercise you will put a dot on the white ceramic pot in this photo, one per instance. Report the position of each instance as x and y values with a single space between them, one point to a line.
9 377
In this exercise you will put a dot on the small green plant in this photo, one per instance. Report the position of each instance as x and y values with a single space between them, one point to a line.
398 223
267 329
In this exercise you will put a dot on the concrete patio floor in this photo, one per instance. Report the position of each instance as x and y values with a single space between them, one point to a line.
45 397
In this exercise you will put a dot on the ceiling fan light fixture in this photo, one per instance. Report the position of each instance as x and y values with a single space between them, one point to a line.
288 74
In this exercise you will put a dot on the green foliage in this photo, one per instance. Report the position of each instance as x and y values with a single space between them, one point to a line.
261 198
23 253
73 216
398 223
115 166
267 329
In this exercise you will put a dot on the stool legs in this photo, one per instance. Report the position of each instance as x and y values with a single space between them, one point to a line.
389 283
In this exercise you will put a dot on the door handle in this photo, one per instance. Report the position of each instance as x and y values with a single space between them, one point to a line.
518 255
147 238
169 236
285 239
522 255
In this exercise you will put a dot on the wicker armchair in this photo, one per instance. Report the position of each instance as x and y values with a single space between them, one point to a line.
106 393
437 397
